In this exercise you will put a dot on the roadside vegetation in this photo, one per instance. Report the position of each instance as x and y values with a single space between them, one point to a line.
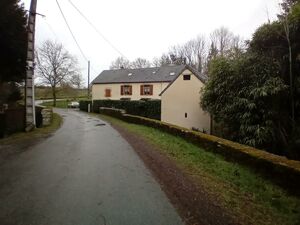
250 198
44 92
35 134
59 104
63 104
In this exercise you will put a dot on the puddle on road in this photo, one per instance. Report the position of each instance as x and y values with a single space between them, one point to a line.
100 125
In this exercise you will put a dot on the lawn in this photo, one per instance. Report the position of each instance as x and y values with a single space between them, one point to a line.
45 93
59 104
250 198
62 103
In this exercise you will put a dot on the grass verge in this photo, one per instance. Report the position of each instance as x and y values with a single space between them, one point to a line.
35 134
249 197
63 104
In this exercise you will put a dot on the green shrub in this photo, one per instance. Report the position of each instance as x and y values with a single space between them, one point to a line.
83 105
149 109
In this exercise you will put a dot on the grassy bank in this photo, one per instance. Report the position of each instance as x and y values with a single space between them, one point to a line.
35 134
46 93
250 198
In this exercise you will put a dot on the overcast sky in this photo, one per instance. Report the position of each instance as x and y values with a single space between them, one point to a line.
144 28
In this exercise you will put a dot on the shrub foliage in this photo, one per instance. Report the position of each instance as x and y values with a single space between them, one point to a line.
149 109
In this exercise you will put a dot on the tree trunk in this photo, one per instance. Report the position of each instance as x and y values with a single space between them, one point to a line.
291 83
54 96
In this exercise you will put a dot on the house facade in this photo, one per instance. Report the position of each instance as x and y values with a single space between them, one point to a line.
180 102
134 84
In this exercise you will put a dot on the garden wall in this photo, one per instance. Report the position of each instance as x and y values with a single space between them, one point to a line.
282 171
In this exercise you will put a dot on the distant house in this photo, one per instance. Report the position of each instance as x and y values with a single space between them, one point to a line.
134 84
180 102
178 87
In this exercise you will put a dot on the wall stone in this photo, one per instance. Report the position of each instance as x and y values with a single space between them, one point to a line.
47 116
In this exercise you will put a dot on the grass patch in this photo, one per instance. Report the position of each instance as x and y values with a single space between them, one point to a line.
46 93
250 198
59 104
36 133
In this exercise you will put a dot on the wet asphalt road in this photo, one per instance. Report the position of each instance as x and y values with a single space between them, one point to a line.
85 174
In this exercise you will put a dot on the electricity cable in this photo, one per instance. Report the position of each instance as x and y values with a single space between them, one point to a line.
97 30
80 49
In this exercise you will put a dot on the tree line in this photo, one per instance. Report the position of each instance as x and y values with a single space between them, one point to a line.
197 52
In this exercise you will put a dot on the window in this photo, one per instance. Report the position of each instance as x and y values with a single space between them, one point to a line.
186 77
126 90
146 89
107 93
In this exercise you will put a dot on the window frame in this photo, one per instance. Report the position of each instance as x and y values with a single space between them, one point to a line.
187 77
148 93
126 90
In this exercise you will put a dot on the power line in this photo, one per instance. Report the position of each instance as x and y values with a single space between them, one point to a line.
97 30
50 27
71 32
57 38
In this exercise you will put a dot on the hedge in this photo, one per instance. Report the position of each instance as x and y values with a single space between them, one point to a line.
282 171
83 105
149 109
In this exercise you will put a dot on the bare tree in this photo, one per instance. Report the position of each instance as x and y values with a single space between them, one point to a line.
76 80
200 52
222 40
55 66
140 63
162 61
120 63
192 53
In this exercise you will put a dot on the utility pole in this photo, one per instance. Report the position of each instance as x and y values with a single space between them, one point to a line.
89 66
29 84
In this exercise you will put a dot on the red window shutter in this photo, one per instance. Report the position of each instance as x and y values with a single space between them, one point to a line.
142 89
151 89
107 93
130 90
122 90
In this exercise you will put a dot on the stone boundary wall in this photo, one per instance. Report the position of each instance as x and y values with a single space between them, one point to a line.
279 169
47 115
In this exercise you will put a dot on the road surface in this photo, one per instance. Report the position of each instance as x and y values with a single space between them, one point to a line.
85 174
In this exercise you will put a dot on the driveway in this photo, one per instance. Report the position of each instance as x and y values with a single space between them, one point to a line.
85 174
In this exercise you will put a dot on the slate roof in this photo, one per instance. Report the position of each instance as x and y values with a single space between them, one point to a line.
145 75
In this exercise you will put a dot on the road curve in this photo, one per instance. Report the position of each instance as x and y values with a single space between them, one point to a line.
85 174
